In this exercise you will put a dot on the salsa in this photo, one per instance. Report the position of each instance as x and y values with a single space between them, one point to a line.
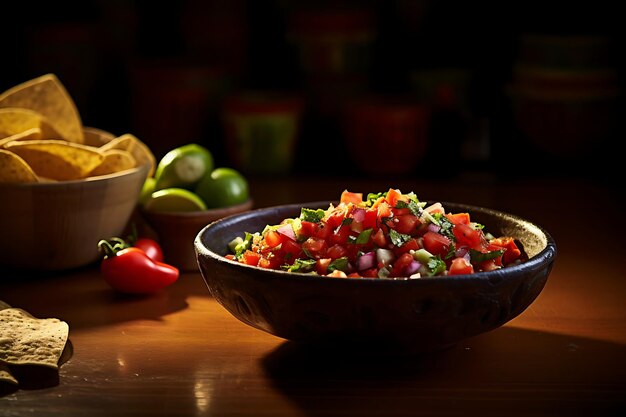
384 235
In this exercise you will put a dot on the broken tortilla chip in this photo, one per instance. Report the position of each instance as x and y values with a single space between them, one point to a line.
96 137
26 340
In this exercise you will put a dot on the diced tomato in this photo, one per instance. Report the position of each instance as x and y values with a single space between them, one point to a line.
371 216
308 229
323 230
336 251
273 239
321 265
410 245
341 235
379 238
369 273
291 247
436 244
460 266
334 218
349 197
489 265
511 253
466 236
406 224
315 246
251 258
230 256
458 218
401 265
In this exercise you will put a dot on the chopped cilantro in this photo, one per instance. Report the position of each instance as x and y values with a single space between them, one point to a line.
414 206
364 237
436 265
477 257
340 264
451 251
398 239
310 215
300 265
445 226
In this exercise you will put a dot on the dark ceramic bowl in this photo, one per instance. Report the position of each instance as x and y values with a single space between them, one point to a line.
414 315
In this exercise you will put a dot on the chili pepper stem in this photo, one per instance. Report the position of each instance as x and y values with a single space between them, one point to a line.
110 247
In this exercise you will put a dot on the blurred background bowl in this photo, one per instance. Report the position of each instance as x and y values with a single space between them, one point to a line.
401 315
57 225
176 231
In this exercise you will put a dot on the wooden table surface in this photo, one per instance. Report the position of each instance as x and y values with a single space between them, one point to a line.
179 353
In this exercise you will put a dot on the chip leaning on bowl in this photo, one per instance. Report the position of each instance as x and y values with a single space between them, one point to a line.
64 186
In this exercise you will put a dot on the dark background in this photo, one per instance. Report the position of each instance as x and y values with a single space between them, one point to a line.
104 53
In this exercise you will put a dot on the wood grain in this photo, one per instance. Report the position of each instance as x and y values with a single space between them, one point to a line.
179 353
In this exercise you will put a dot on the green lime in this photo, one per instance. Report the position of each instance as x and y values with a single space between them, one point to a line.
146 190
174 200
224 187
183 167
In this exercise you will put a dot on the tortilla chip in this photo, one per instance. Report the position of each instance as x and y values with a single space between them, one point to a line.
14 170
96 137
48 97
57 159
4 305
26 340
140 151
115 160
14 121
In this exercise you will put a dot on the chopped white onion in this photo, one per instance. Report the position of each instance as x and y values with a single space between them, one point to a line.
287 230
434 208
358 214
412 268
385 256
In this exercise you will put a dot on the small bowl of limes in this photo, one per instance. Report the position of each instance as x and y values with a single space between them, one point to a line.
186 193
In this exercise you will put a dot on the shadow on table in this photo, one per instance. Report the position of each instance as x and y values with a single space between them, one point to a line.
82 298
521 371
34 377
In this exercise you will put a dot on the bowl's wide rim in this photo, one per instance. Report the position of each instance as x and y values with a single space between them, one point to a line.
543 258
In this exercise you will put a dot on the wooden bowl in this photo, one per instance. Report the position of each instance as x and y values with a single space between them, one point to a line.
57 225
397 315
176 231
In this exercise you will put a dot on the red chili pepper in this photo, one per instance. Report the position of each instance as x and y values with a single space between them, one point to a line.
131 270
150 247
